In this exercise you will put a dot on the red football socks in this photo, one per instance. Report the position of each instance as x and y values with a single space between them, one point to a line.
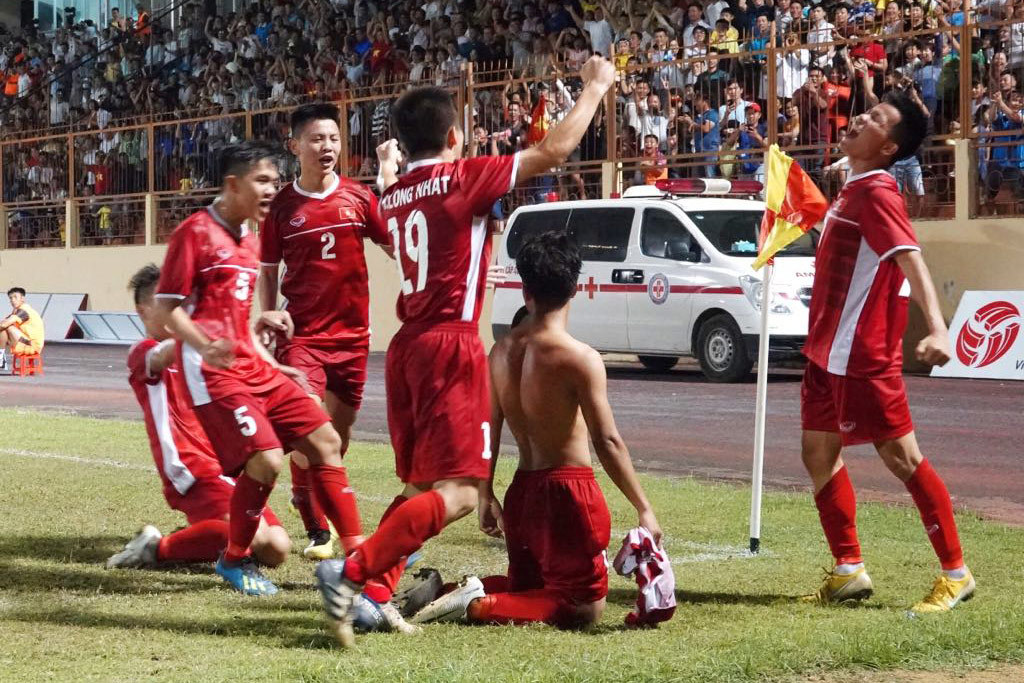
933 502
406 529
382 588
837 508
247 503
313 518
539 605
201 542
331 490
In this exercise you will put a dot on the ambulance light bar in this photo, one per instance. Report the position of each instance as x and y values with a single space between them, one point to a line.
706 186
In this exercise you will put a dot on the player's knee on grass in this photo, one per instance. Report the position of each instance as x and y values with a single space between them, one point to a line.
271 545
460 497
587 614
901 456
264 466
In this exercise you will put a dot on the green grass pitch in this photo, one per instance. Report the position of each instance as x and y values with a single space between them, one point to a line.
74 490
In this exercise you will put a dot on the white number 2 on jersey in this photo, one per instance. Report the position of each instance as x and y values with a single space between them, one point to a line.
415 250
328 239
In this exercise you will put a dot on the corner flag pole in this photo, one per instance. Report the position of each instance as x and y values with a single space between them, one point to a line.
759 414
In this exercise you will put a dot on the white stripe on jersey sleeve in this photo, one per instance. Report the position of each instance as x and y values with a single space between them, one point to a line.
173 468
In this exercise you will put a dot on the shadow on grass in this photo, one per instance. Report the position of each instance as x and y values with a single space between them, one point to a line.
627 598
85 549
47 578
287 630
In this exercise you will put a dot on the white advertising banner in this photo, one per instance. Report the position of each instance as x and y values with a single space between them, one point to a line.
986 337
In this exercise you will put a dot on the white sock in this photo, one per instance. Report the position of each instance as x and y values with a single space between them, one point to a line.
847 569
956 574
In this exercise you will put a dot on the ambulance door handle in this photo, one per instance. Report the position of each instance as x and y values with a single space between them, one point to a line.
623 276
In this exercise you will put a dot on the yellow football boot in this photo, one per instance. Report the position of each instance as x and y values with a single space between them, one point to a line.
840 588
946 594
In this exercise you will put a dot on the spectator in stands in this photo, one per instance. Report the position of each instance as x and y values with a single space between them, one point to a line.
750 141
655 167
714 81
735 107
908 171
791 70
706 132
22 331
812 101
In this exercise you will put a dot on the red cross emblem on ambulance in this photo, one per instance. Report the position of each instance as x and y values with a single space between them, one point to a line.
658 289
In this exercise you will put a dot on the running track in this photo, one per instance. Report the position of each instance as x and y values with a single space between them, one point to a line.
673 423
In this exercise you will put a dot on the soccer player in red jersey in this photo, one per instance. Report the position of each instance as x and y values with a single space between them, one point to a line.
316 225
853 389
552 391
247 404
192 480
436 375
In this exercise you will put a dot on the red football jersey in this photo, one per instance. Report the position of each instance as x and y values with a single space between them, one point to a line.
860 295
216 273
320 238
437 216
180 449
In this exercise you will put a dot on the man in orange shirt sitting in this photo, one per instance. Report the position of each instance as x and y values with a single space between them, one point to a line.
22 330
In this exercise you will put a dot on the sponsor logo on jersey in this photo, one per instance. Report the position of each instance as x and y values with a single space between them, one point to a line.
988 334
347 214
658 289
297 222
223 253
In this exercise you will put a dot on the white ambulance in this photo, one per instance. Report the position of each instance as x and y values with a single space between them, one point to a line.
667 273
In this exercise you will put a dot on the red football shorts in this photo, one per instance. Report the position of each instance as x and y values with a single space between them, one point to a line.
439 403
339 369
243 423
209 498
557 528
860 410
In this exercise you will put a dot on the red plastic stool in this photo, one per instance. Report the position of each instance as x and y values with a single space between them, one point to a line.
30 364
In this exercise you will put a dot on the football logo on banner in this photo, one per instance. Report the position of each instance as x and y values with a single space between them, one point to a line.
987 335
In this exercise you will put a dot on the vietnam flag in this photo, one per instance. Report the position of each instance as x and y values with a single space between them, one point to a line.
793 204
539 122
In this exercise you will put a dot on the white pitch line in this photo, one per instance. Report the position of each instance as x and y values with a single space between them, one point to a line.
103 462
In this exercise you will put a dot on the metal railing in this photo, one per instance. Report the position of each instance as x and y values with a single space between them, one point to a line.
131 184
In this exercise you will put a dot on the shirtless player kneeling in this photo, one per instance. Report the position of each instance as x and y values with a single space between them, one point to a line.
552 390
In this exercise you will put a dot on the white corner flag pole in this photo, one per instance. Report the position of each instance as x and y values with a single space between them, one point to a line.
759 414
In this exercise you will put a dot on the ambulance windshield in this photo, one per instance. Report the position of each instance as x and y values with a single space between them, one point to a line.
734 233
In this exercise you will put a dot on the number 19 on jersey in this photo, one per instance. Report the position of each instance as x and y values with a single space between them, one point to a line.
414 246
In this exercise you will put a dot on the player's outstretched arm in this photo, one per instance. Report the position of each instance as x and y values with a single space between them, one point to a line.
933 349
592 390
489 509
598 76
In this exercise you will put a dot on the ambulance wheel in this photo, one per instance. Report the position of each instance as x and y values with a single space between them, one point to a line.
658 363
721 351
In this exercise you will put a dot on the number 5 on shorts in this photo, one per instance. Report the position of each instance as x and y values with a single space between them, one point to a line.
246 424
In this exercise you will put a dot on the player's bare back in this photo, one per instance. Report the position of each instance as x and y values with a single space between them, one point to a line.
535 373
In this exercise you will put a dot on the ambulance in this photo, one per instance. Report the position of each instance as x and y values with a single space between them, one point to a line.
667 273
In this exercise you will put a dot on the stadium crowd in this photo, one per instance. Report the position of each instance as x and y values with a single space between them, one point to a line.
694 79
